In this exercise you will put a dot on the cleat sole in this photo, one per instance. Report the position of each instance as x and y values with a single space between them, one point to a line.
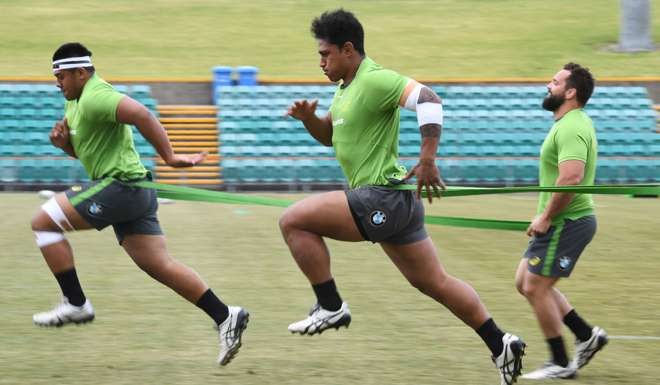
518 350
59 323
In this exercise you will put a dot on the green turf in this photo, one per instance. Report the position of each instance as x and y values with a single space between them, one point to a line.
145 334
424 39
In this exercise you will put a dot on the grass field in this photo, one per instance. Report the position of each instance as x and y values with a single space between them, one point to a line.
424 39
145 334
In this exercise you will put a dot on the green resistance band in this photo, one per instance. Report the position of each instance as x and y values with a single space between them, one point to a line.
201 195
634 189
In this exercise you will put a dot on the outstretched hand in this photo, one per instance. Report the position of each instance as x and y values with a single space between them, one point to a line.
428 177
186 160
302 109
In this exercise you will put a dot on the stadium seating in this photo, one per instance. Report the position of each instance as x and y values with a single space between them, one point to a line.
27 114
492 135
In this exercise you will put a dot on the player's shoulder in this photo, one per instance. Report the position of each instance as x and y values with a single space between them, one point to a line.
97 87
378 76
101 86
577 117
582 121
99 96
377 71
577 123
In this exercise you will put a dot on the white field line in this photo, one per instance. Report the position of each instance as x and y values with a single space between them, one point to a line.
641 338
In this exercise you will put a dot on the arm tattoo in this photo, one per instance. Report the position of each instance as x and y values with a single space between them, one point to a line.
426 95
430 130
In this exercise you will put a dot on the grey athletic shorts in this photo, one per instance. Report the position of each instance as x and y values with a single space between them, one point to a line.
128 208
555 253
386 215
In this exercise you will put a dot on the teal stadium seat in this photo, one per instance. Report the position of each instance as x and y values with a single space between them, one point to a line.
250 170
8 170
449 170
500 126
50 171
230 170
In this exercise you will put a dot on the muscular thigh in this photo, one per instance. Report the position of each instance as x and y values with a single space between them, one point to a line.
325 214
148 251
417 261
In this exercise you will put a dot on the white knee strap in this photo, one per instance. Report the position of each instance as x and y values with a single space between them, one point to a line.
54 211
45 238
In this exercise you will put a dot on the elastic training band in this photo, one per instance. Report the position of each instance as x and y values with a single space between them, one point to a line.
201 195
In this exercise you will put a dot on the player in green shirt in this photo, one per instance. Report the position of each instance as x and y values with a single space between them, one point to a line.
95 129
564 224
363 127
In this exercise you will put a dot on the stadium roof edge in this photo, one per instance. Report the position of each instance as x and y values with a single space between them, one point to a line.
273 80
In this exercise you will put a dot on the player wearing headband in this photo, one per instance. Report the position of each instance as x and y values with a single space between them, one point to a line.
363 128
96 130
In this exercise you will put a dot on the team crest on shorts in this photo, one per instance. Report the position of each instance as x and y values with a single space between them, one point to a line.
378 218
95 209
534 261
565 262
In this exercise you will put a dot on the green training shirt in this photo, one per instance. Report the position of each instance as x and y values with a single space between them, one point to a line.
365 125
103 145
572 137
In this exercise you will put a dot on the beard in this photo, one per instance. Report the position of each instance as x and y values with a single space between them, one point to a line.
553 102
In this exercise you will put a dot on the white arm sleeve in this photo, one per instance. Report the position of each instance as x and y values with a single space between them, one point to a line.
427 112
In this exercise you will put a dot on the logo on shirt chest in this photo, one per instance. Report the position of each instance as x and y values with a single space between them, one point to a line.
338 122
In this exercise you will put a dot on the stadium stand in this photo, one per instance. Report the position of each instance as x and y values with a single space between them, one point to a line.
27 114
191 129
492 135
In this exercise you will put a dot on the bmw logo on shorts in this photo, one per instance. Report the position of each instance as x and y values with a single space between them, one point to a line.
565 262
95 209
378 218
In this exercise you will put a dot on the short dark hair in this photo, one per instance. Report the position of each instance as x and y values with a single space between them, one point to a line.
580 79
338 27
76 49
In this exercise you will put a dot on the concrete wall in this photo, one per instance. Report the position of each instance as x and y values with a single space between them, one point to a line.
197 93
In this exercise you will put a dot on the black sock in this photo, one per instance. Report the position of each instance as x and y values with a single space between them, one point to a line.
70 286
578 326
492 336
558 351
212 305
327 295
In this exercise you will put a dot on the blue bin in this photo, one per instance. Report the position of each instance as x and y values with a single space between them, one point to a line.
221 77
247 75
